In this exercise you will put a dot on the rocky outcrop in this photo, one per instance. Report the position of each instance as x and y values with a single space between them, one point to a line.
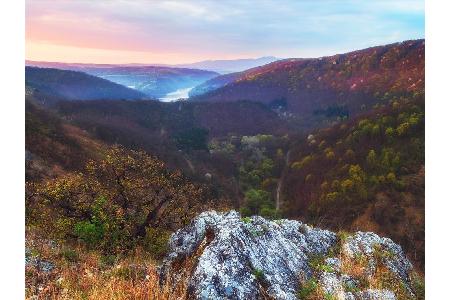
254 258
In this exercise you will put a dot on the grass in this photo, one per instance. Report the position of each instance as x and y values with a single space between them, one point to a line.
82 274
246 220
308 289
86 280
69 255
259 274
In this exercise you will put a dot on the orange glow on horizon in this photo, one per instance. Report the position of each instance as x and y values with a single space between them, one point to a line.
60 53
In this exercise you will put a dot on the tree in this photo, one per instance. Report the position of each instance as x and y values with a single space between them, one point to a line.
371 159
402 129
389 132
193 139
258 202
117 198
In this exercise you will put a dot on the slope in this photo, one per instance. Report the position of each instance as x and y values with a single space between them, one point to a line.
73 85
364 174
153 81
328 87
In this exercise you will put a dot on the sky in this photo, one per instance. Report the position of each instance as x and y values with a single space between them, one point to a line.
182 31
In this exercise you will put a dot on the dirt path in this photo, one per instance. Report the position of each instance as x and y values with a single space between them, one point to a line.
280 181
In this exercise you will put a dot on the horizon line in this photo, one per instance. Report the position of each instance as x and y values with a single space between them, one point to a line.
212 60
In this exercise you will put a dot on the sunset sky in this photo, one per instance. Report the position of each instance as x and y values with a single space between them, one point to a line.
171 32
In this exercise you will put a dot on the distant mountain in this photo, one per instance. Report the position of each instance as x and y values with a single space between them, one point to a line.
229 66
153 81
72 85
350 82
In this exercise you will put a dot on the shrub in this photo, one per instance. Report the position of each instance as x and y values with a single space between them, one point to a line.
156 242
259 274
269 212
69 255
308 288
90 233
246 220
332 197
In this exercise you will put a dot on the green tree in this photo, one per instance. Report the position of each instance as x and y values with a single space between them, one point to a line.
371 159
390 133
258 202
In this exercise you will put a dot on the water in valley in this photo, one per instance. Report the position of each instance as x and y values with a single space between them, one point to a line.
178 94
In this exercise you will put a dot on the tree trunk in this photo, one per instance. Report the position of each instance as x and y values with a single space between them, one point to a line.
150 217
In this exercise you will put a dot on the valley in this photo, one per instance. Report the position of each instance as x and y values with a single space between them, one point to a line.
153 81
336 142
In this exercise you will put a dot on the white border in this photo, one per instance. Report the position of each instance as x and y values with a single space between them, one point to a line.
437 154
12 165
12 149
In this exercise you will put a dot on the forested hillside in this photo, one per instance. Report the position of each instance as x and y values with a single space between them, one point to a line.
365 174
330 87
72 85
54 147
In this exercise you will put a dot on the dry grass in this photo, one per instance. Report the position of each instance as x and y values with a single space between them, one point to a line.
84 280
81 274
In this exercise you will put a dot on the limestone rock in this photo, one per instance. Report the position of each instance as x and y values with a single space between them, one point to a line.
254 258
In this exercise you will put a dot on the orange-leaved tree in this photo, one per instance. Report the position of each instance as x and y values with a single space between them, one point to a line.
115 201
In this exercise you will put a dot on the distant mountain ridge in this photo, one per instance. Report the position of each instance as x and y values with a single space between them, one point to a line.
73 85
153 81
225 66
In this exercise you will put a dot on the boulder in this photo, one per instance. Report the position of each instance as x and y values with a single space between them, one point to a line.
254 258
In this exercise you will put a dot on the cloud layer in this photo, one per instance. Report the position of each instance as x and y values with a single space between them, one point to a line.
186 31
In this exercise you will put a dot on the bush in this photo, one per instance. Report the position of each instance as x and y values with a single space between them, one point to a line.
259 274
389 132
258 202
308 288
269 213
69 255
156 242
301 164
402 129
91 234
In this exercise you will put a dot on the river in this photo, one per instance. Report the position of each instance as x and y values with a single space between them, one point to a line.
174 96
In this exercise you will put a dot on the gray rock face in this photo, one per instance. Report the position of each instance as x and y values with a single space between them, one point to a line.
34 261
369 244
252 258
